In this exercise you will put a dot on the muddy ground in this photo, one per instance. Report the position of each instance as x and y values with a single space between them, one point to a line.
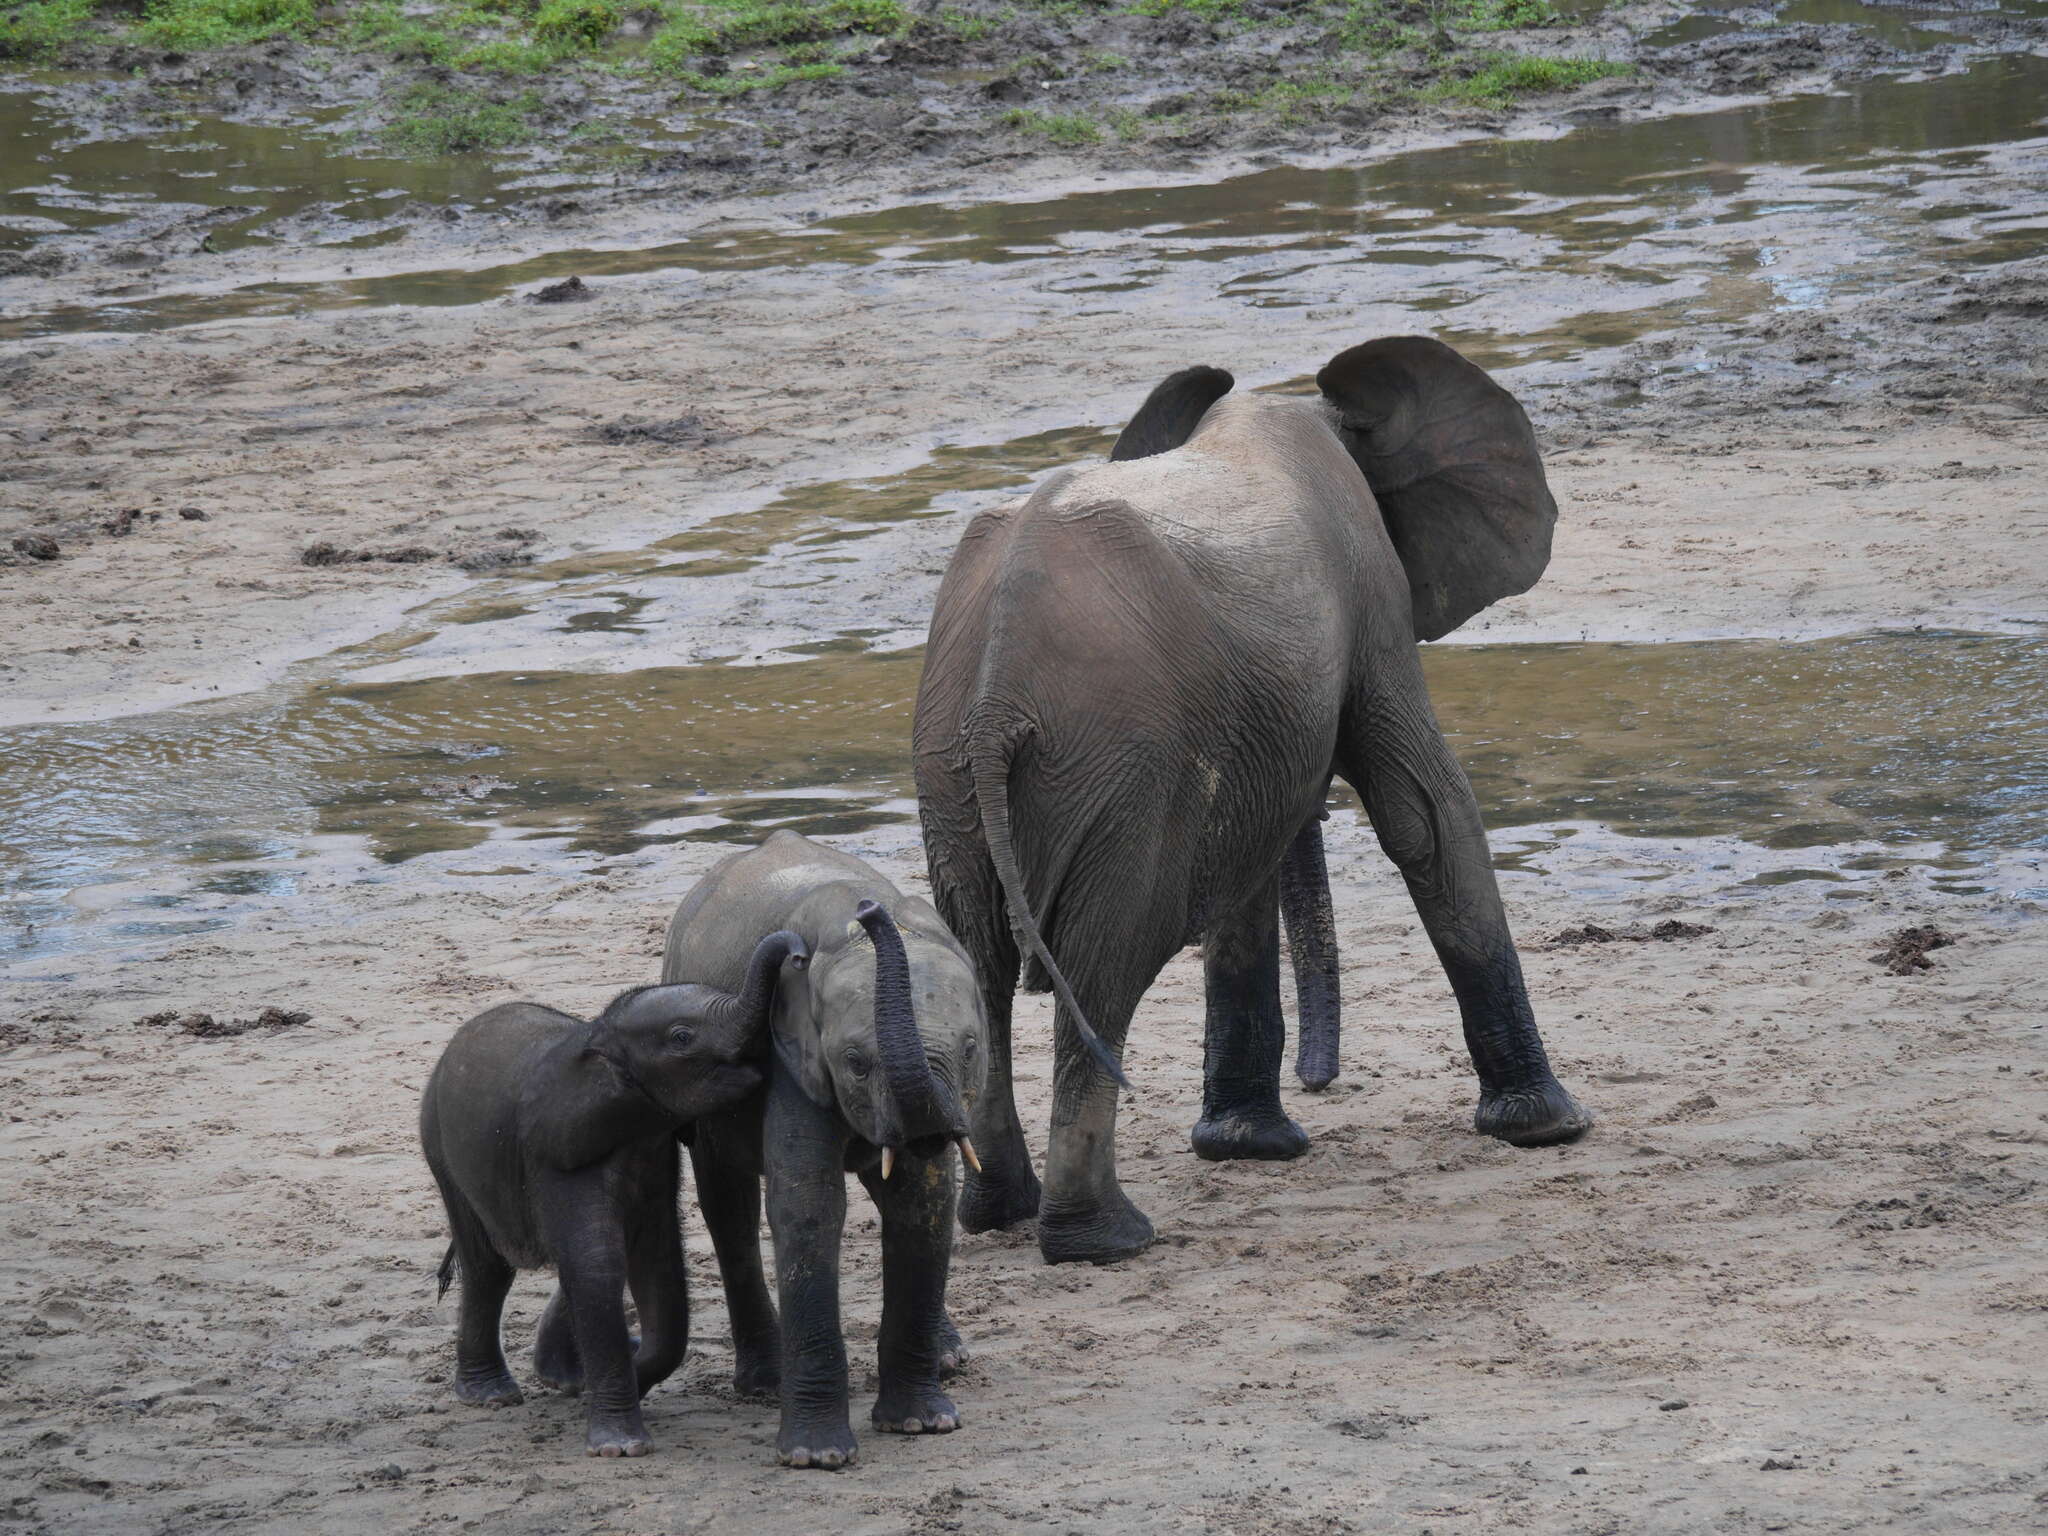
1791 1282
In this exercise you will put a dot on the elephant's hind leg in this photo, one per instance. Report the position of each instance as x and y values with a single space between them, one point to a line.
1243 1039
481 1374
555 1359
1427 820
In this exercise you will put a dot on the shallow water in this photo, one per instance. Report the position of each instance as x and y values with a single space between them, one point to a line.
1615 217
1937 742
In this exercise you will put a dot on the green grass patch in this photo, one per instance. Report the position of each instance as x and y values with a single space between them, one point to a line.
730 26
1068 129
37 29
440 120
196 24
1505 76
575 26
746 82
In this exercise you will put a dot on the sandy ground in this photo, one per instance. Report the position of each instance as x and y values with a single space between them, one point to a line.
1877 465
1793 1281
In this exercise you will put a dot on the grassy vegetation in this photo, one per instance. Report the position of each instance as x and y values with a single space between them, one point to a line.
1504 76
37 29
1067 129
441 120
1342 54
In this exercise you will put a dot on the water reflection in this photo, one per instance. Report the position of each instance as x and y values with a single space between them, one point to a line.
1907 739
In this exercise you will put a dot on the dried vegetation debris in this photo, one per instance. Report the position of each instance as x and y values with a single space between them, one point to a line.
1908 949
1634 933
506 547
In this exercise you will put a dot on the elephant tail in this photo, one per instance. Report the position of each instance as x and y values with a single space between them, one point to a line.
446 1273
991 765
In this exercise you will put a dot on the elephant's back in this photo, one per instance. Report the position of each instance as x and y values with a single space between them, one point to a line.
752 893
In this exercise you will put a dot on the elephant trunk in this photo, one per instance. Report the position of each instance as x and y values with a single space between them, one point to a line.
924 1107
746 1013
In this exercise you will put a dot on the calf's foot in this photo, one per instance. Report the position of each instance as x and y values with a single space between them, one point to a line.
1538 1115
624 1436
915 1411
1099 1233
555 1360
488 1387
952 1352
1261 1133
825 1442
999 1198
757 1369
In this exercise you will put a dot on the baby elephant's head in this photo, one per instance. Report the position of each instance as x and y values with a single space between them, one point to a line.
692 1050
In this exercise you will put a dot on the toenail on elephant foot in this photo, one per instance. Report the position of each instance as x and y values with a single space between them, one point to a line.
613 1440
1100 1234
928 1412
495 1389
1540 1115
991 1204
825 1445
952 1352
1261 1135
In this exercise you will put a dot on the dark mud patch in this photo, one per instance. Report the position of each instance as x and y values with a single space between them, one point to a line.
1909 949
1663 933
686 431
506 548
36 546
570 290
204 1026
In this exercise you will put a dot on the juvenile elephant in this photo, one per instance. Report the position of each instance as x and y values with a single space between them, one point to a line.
880 1053
553 1141
1138 685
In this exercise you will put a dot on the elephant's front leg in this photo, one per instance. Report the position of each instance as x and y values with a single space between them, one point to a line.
917 1251
729 1195
586 1233
1427 820
804 1147
1243 1038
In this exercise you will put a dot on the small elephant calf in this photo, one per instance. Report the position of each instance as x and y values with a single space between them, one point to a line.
554 1142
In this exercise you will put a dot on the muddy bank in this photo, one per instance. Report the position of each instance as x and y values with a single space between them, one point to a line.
593 148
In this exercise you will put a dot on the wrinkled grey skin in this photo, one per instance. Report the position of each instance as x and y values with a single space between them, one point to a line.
553 1141
828 1110
1138 685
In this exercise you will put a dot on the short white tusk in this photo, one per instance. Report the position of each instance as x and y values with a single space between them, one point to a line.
888 1161
967 1151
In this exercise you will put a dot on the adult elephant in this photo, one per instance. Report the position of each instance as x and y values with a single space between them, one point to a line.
1139 683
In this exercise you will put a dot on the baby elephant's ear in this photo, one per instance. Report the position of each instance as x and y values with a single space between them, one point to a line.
1452 461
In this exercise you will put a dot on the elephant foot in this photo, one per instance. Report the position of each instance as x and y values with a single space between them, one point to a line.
1540 1115
757 1372
1096 1234
555 1360
915 1411
1264 1135
825 1443
952 1352
990 1202
488 1387
617 1437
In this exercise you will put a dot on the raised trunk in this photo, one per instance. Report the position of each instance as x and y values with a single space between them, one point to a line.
747 1013
924 1106
1312 947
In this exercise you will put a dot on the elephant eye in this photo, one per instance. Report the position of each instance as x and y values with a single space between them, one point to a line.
680 1037
967 1051
856 1061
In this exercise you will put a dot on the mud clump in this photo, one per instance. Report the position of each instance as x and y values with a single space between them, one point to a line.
1664 933
570 290
127 520
1907 951
508 546
677 432
204 1026
36 546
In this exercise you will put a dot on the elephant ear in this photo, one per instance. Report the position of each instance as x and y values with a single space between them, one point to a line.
1452 461
581 1108
1171 413
799 1046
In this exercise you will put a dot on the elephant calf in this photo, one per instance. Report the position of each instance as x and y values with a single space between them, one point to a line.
554 1142
880 1051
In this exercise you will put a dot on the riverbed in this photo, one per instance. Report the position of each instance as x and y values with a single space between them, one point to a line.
1783 682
